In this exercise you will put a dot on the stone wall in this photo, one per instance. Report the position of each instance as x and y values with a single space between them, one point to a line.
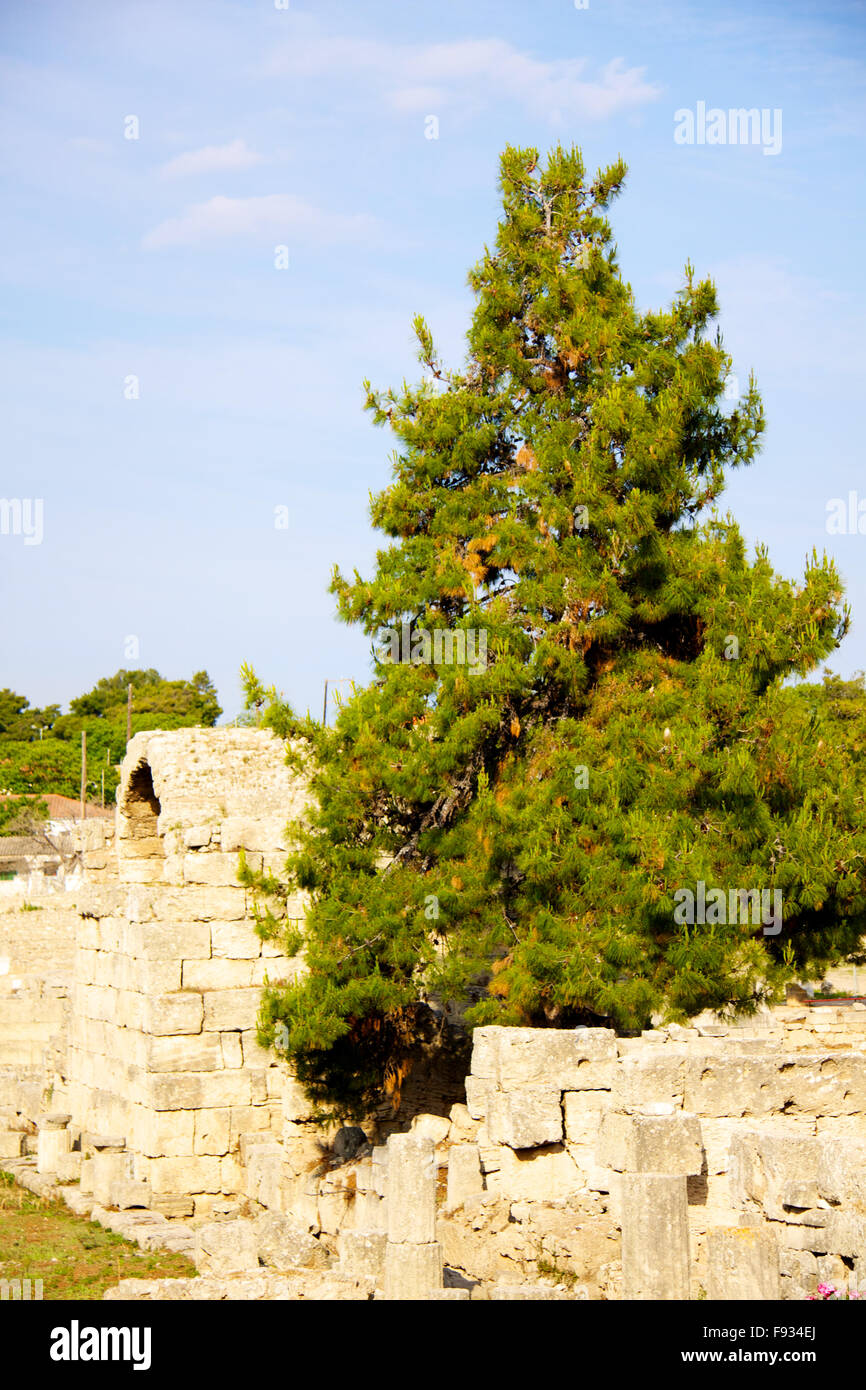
711 1160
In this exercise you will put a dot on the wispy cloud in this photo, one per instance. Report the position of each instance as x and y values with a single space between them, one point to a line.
212 159
277 215
413 75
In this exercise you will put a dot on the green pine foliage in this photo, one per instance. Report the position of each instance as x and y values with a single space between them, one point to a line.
508 841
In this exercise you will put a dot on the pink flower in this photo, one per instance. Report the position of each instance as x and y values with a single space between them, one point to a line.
826 1290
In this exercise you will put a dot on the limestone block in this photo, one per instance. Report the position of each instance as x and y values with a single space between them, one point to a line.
69 1166
162 1134
11 1144
728 1086
85 1182
212 1128
231 1050
718 1135
477 1091
435 1127
465 1179
171 1206
644 1077
107 1169
285 1244
52 1144
132 1011
207 904
412 1271
197 836
841 1176
547 1174
213 868
153 977
172 1014
822 1085
411 1189
232 1176
219 974
227 1010
127 1193
655 1237
764 1165
464 1129
559 1059
199 1090
379 1169
362 1253
845 1235
226 1247
235 941
583 1114
185 1175
254 1056
253 833
190 1052
525 1117
743 1263
650 1143
265 1175
799 1270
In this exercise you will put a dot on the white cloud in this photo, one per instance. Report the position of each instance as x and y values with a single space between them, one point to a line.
411 74
277 215
213 158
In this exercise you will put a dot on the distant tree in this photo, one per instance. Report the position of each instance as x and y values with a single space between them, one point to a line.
18 721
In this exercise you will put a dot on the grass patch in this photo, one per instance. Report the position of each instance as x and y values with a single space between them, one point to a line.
74 1258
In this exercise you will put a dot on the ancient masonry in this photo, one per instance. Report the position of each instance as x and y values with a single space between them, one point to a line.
689 1162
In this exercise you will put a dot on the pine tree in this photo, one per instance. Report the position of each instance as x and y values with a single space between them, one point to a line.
508 838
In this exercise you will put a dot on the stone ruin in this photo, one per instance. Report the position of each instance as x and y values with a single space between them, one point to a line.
711 1161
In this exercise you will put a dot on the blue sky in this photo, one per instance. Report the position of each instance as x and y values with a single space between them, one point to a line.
154 258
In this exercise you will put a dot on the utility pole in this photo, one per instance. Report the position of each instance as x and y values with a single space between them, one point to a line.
83 773
325 707
128 713
102 778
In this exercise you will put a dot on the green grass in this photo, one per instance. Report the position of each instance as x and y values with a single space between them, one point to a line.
74 1258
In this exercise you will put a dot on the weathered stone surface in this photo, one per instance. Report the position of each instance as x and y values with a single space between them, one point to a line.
435 1127
731 1086
411 1189
107 1169
226 1247
232 1009
743 1263
196 1052
764 1165
477 1091
650 1143
172 1014
363 1253
525 1117
126 1193
412 1271
655 1236
841 1174
559 1059
465 1179
544 1174
284 1244
52 1143
11 1144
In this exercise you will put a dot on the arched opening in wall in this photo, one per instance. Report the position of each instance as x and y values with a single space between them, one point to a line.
141 809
